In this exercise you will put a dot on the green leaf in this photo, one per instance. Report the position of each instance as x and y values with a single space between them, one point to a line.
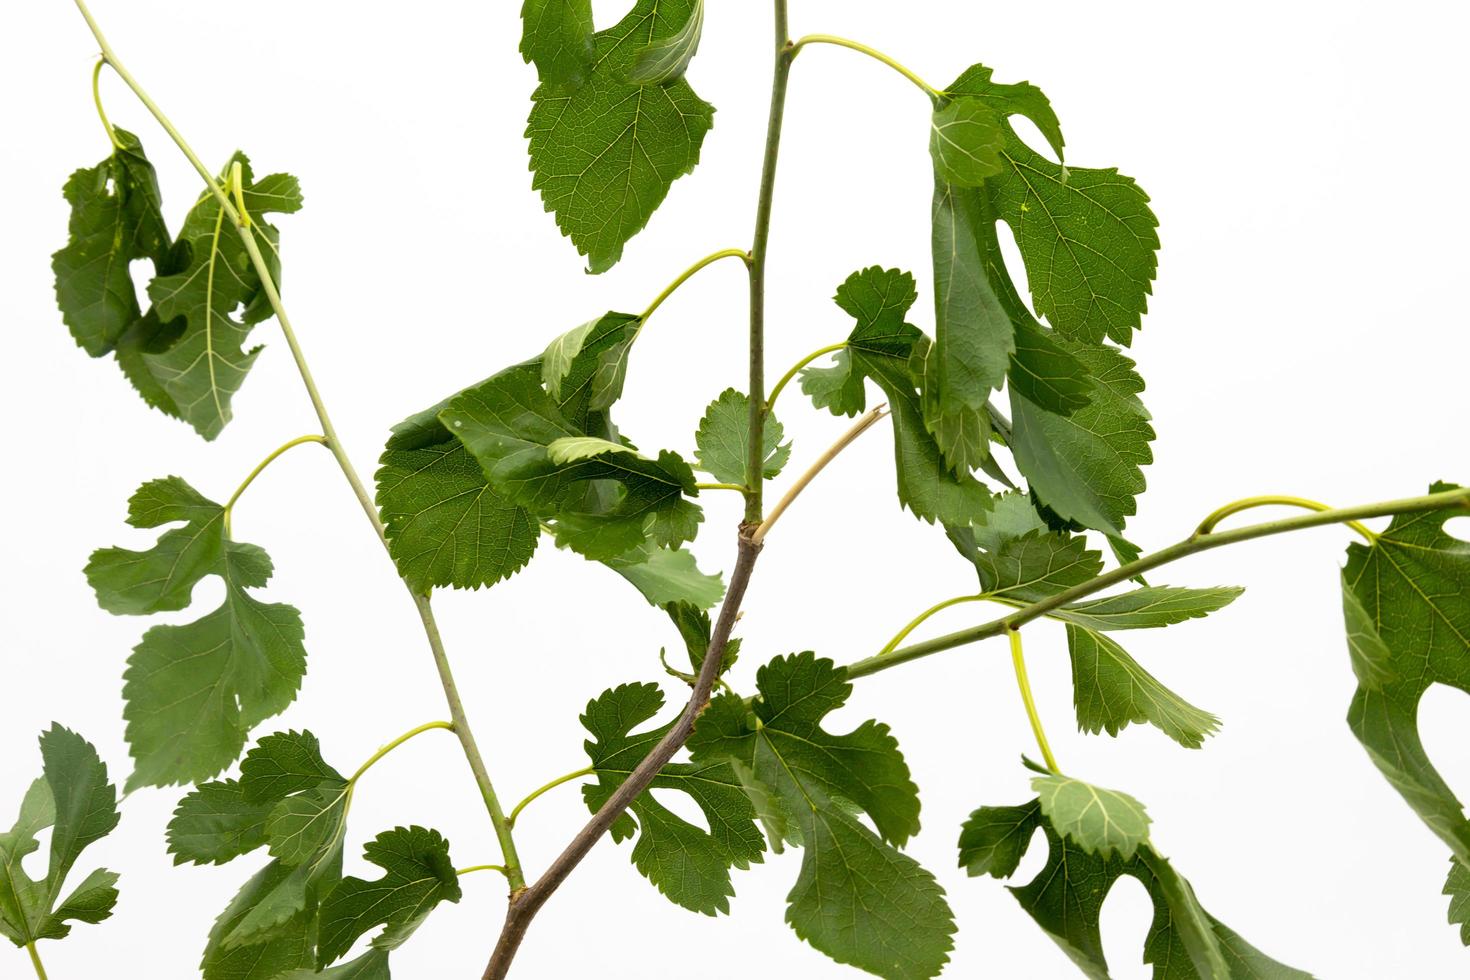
74 798
303 826
605 153
1087 237
880 347
116 219
689 865
1457 887
665 575
1184 942
557 37
1100 821
1147 608
723 440
418 875
1410 586
1087 466
284 946
695 628
195 691
372 965
1044 372
1037 565
285 763
216 823
664 61
1371 658
995 838
508 423
858 898
1112 691
446 525
973 340
573 449
204 368
965 140
584 369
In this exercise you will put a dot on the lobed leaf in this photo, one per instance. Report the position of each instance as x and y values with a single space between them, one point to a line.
723 440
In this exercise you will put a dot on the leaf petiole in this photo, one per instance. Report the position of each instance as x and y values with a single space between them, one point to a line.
687 274
873 53
1275 500
549 786
1023 683
36 960
260 468
796 369
721 486
461 872
918 620
97 100
412 733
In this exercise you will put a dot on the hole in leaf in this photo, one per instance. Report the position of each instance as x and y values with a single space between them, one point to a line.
1458 528
1127 913
1444 728
1032 137
1010 252
1033 860
681 805
36 864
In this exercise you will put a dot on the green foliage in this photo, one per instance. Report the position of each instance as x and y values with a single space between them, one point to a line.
666 60
75 800
194 692
858 898
1409 626
1112 691
1100 821
1457 887
605 151
690 865
557 38
723 440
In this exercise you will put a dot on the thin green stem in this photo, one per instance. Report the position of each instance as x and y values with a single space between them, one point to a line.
260 468
97 100
687 274
1023 684
873 53
755 457
364 499
796 369
720 486
1443 500
1275 500
918 620
412 733
36 961
549 786
461 872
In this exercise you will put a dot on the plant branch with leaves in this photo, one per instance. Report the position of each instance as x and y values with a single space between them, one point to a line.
1018 431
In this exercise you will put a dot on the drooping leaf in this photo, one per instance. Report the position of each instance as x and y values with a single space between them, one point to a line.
1098 820
664 61
858 898
1184 942
205 366
1087 466
1087 237
689 865
880 348
556 36
417 876
665 575
116 219
75 800
1147 608
965 141
723 439
194 692
1112 690
584 369
606 152
1410 586
508 424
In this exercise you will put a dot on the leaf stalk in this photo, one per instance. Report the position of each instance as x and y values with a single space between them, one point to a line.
97 101
1023 684
260 468
796 369
36 960
689 273
873 53
384 750
1275 500
584 771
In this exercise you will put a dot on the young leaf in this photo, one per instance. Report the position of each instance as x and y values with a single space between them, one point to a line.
418 875
557 37
690 865
1146 608
723 440
664 61
116 219
965 141
195 691
1037 565
584 369
1410 585
858 898
606 152
204 368
1112 690
1087 237
1087 466
1100 821
75 800
880 347
1184 942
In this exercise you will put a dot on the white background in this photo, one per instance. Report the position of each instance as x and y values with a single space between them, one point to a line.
1306 336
